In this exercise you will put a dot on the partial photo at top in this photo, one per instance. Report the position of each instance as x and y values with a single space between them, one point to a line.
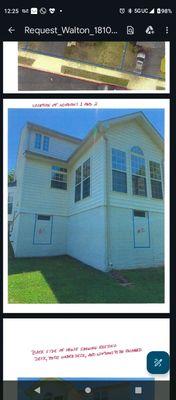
86 66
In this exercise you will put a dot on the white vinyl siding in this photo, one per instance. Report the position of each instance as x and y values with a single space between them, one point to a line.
57 147
123 138
37 192
97 182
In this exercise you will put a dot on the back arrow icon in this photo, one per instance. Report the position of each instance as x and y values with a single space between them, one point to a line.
11 30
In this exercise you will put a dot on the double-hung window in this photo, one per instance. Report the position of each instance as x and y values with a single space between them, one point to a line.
41 142
139 186
119 175
38 140
10 204
155 179
82 181
46 143
59 177
78 184
86 179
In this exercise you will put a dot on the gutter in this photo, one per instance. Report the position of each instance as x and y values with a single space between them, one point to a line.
108 261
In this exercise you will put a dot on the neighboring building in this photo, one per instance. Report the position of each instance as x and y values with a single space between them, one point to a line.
11 199
99 200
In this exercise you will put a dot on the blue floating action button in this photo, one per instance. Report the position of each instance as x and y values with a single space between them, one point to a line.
158 362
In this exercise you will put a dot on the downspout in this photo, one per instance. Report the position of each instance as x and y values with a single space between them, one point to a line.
107 209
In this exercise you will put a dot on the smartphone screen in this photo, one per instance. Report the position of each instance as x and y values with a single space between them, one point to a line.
88 99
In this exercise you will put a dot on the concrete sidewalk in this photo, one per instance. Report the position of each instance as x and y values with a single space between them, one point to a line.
53 65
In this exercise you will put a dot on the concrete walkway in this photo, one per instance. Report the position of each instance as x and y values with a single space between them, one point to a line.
53 65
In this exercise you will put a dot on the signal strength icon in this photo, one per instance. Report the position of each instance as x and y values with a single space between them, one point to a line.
152 11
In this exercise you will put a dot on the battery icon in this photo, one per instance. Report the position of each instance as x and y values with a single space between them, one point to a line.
158 10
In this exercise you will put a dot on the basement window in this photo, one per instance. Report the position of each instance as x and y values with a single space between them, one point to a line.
139 213
58 177
43 217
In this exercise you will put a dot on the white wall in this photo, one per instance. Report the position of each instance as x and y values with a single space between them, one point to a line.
79 228
86 237
38 196
123 253
97 182
23 242
123 138
59 148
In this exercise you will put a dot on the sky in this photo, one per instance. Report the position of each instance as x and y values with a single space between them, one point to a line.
74 122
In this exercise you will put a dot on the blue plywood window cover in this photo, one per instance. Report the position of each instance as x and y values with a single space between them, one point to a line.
140 213
43 217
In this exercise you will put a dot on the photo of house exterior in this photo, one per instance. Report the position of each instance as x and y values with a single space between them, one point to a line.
99 200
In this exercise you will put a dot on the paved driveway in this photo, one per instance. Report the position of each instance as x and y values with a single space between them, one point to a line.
153 61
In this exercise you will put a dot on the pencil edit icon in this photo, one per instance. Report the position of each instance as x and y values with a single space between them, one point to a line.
158 362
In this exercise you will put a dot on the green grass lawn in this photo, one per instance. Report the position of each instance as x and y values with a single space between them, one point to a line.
108 54
66 280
